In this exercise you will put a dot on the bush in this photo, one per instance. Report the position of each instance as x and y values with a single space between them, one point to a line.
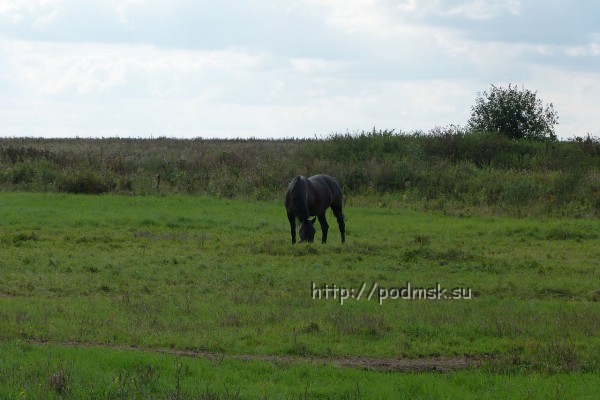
86 182
22 173
514 113
521 191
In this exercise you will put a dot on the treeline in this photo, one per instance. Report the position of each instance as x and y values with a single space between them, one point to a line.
445 169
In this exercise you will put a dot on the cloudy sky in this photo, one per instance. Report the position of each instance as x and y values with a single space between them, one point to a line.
287 68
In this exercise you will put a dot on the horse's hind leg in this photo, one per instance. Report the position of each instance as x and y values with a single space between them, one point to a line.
324 227
339 215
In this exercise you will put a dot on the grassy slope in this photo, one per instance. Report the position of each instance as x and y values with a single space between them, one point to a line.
206 274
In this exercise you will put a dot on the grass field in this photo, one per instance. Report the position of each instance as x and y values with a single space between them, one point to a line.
195 297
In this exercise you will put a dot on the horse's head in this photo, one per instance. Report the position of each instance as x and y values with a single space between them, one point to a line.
307 231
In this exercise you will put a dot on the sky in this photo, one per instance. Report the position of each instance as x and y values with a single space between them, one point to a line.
283 69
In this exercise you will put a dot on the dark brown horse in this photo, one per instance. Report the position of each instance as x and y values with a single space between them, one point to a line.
313 196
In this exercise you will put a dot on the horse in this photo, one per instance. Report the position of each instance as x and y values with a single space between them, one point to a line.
307 197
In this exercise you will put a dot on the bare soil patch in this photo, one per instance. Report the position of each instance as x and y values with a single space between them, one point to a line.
406 365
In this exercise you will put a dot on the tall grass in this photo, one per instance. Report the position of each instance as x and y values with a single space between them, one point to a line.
445 169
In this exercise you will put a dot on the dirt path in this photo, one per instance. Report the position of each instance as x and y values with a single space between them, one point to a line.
429 364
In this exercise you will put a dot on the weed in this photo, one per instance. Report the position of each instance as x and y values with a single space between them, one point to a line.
58 382
299 349
422 240
556 355
24 237
313 327
560 233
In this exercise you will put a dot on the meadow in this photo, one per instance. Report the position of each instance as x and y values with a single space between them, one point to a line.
163 268
202 296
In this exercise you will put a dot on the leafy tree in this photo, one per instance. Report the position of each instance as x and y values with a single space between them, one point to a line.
513 112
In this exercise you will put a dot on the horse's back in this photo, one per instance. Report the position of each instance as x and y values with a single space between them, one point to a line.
328 189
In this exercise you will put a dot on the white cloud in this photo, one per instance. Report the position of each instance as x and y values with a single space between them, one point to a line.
8 7
318 66
122 9
485 9
44 68
294 68
573 94
104 90
46 19
356 16
40 12
591 49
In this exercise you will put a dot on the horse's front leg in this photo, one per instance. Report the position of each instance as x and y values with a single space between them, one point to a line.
292 220
324 227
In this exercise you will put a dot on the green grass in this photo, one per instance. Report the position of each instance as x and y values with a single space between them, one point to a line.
93 276
54 372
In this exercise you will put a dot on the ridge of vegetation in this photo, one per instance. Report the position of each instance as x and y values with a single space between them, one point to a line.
447 169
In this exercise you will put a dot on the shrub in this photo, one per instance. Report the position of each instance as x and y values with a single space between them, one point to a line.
514 113
85 182
521 191
22 173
